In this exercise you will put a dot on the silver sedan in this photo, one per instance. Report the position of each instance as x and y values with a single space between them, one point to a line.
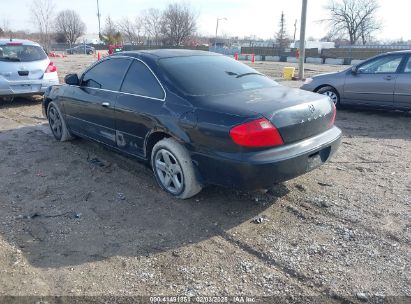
25 69
382 81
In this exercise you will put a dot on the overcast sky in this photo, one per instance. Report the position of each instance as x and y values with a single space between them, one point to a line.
244 17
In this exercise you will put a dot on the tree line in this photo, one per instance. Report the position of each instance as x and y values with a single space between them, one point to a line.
350 22
175 25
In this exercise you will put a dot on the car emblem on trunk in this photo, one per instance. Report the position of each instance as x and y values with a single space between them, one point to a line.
312 108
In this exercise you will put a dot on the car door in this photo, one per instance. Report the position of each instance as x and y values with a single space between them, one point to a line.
374 81
90 108
402 92
141 99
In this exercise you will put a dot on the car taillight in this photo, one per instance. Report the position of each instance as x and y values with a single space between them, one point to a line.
51 68
334 115
257 133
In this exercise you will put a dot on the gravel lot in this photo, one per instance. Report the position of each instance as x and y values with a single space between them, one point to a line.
78 219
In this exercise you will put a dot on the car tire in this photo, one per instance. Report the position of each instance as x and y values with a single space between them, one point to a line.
332 93
90 52
57 123
174 170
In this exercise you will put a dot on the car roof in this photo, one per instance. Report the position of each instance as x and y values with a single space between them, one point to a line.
167 53
22 41
398 52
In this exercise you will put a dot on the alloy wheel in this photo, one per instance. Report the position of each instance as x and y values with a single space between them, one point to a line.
332 95
169 171
55 122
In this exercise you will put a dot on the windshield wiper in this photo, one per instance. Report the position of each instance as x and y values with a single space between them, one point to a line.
10 59
247 74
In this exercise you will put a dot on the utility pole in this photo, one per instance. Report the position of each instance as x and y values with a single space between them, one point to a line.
99 24
302 40
216 30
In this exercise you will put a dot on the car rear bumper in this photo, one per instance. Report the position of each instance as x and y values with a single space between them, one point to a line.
28 87
262 169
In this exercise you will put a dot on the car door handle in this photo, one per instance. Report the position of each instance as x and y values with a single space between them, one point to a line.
389 77
105 104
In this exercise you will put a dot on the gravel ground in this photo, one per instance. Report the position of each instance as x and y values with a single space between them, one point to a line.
78 219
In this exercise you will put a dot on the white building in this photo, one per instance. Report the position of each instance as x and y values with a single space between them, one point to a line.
89 39
320 45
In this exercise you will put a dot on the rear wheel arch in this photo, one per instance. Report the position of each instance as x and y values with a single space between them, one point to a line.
152 139
46 105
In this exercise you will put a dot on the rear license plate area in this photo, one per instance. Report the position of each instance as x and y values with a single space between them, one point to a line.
22 88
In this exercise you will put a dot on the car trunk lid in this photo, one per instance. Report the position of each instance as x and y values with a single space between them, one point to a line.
297 114
20 71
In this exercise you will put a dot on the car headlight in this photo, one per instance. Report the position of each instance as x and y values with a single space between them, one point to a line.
308 81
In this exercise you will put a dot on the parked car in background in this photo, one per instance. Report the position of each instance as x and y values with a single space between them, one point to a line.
81 49
197 117
381 81
25 69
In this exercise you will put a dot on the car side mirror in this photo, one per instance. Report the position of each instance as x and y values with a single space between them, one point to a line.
354 70
72 79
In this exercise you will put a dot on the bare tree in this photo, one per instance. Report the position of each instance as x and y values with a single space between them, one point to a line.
281 36
131 31
5 27
69 24
111 34
355 18
139 28
178 24
42 11
151 21
367 28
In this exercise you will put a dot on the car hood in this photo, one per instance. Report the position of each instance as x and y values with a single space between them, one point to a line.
330 74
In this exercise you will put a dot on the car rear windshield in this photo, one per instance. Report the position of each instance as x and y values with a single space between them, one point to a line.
23 53
212 75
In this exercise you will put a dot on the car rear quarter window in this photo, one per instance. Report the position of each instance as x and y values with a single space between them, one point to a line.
107 74
212 75
141 81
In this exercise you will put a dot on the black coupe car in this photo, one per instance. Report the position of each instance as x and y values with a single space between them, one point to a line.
199 118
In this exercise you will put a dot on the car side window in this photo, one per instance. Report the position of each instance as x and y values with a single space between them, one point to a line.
386 64
106 75
141 81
